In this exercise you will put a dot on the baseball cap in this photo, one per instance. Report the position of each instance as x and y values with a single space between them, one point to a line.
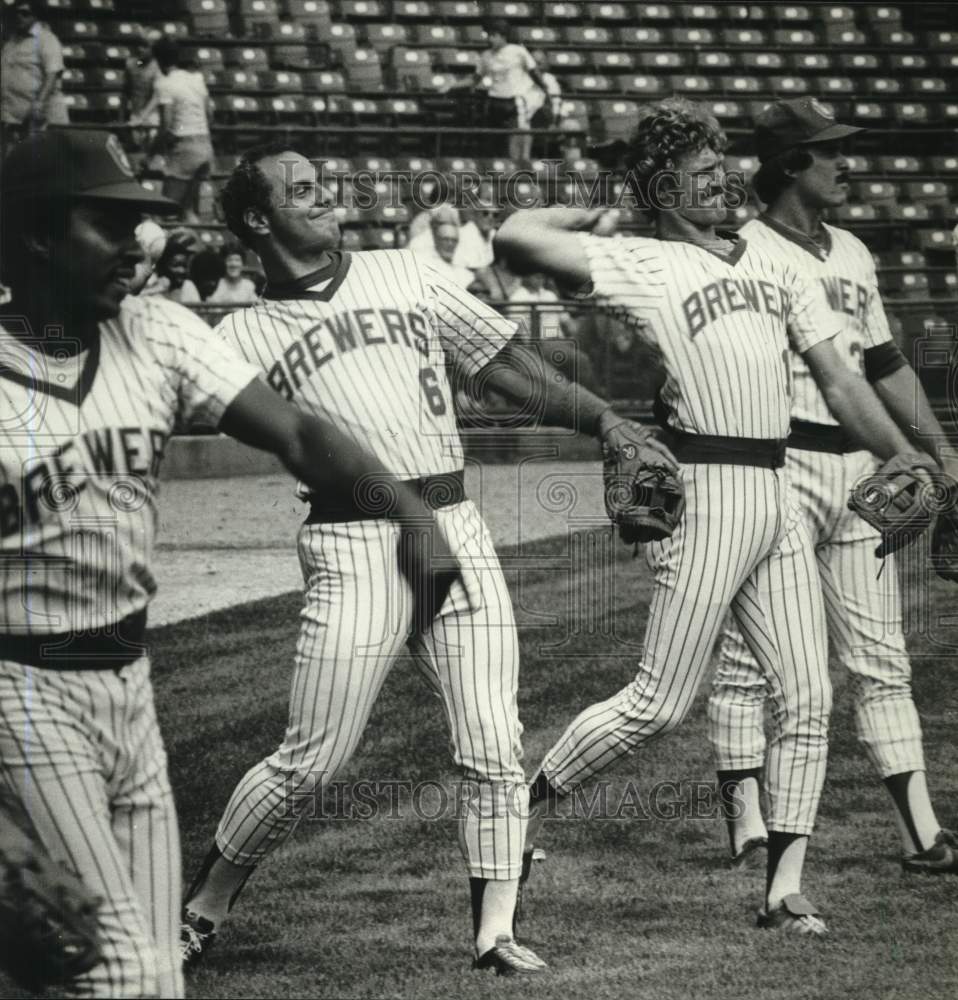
797 122
69 164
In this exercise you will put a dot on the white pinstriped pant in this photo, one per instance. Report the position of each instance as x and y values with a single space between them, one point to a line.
81 749
864 619
740 545
354 627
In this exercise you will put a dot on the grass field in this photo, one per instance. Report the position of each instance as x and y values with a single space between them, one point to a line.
623 906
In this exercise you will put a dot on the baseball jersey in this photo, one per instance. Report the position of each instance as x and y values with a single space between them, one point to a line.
844 272
79 462
363 343
721 324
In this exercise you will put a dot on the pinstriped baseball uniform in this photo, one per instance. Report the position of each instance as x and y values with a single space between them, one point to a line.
720 326
365 344
863 611
79 741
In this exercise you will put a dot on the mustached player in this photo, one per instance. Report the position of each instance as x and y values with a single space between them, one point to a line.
722 315
374 342
92 382
803 173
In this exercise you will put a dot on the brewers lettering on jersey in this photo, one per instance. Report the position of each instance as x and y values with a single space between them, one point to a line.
863 607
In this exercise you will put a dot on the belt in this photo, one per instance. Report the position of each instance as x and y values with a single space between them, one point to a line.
435 491
809 436
763 453
110 647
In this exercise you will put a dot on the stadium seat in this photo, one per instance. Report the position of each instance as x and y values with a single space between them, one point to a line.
379 239
537 34
499 165
459 59
390 215
350 240
359 10
911 213
836 85
912 111
726 111
612 62
860 61
588 35
745 165
224 163
246 57
619 118
383 37
178 30
899 164
74 78
342 39
743 214
510 10
440 83
837 15
882 15
294 53
81 31
363 70
794 14
878 193
404 110
906 62
474 34
944 164
589 83
258 14
436 34
740 84
946 60
942 39
76 53
631 35
116 55
325 82
743 36
281 81
883 85
814 62
845 34
928 192
713 60
411 68
562 60
650 86
928 85
459 10
412 10
913 285
855 213
794 38
208 58
241 81
892 35
208 17
105 78
691 36
660 60
859 164
761 60
287 107
935 240
567 12
608 12
122 31
314 15
869 111
690 84
457 165
657 12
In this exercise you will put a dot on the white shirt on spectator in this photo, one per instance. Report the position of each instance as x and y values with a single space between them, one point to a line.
187 94
508 69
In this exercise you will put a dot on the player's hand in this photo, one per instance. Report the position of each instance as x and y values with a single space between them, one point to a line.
650 450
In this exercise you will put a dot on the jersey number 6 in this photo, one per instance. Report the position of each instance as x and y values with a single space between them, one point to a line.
431 390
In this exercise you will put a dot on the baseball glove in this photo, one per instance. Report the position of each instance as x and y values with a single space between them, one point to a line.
895 501
48 927
644 501
944 539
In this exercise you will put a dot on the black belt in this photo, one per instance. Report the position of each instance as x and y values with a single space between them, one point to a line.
763 453
809 436
109 647
377 503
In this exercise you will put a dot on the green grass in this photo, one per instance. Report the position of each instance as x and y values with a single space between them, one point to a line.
622 908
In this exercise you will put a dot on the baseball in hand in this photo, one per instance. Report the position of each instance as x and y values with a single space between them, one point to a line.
607 223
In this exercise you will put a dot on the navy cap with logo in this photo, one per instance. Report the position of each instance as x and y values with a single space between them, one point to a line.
72 165
798 122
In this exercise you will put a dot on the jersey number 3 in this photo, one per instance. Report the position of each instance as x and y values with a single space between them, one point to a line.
432 391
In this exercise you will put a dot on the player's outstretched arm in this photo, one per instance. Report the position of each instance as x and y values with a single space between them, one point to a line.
333 464
543 239
854 403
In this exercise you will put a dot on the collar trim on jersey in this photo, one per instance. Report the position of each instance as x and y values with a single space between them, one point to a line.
75 393
818 250
337 269
726 234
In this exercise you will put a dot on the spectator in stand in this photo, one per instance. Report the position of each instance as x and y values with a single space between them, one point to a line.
511 72
185 111
543 106
140 73
31 65
496 282
441 257
173 269
474 250
234 288
207 270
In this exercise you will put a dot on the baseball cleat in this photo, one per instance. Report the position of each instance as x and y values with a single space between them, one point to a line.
794 914
748 855
509 958
196 937
939 859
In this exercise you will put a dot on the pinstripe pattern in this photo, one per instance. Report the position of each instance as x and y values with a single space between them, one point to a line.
355 620
82 751
863 612
720 326
81 747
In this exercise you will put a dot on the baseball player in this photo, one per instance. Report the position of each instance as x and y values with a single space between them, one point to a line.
371 340
803 173
721 313
92 381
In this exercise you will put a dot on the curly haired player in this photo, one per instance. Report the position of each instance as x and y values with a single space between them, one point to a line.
723 316
803 173
92 382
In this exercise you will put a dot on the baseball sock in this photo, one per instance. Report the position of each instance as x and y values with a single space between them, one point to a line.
741 806
786 858
216 886
493 906
915 815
